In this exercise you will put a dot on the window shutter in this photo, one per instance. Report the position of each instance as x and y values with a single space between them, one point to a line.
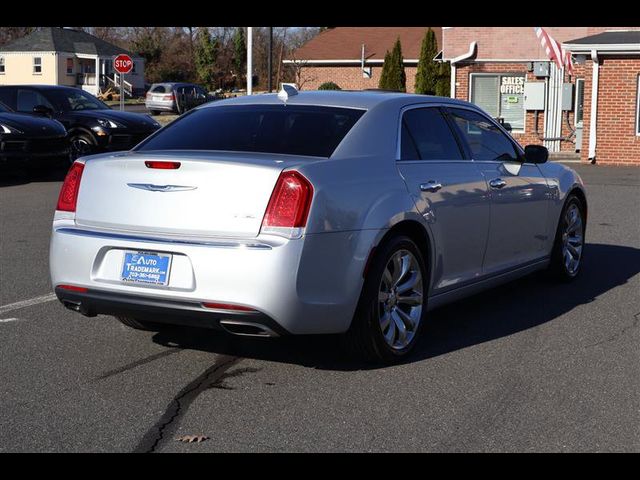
485 92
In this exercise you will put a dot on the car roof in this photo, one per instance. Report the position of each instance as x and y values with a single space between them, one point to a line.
42 87
362 99
173 83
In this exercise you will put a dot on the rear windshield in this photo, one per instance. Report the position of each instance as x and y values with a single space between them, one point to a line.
158 89
281 129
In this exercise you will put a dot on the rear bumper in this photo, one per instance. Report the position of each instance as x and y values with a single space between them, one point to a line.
164 106
173 312
305 286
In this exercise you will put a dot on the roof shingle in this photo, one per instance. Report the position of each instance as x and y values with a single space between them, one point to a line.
58 39
345 43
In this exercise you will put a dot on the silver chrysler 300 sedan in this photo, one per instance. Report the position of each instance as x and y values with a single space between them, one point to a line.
313 213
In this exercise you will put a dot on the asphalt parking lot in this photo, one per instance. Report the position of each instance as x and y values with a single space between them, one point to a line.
530 366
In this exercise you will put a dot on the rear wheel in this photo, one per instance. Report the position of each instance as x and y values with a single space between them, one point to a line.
567 253
139 324
155 112
392 306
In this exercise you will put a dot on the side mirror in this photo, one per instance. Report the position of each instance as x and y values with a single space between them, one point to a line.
536 154
43 110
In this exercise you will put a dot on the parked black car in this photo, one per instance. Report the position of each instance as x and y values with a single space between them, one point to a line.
93 127
25 139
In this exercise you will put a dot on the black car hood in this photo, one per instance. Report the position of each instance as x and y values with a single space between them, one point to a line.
127 119
32 125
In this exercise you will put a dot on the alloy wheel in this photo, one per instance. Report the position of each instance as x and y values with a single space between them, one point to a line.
400 299
572 239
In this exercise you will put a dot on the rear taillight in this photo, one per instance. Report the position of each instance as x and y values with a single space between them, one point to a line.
288 206
70 188
163 165
169 97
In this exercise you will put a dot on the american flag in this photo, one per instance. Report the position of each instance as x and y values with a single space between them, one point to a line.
555 52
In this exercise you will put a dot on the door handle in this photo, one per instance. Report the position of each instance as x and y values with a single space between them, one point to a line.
497 183
430 186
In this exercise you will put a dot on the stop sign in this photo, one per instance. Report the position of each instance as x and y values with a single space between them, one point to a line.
122 63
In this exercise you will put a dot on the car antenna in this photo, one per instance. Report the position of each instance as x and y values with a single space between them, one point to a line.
286 91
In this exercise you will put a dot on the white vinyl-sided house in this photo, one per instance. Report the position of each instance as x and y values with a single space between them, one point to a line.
63 56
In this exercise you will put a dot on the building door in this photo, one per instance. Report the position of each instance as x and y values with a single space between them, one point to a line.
579 111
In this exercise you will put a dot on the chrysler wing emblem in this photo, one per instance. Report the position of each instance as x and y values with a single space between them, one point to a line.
161 188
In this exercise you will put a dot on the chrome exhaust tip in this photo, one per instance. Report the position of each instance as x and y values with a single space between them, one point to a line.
247 329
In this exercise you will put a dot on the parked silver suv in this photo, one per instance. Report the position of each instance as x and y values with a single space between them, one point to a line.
175 97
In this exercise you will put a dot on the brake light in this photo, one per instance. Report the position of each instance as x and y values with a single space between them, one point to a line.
169 97
163 165
73 288
227 306
289 205
70 188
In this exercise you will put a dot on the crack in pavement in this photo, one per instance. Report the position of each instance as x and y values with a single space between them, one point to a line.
176 408
615 336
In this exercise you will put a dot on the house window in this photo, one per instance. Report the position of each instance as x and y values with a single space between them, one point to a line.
501 96
37 65
1 65
69 66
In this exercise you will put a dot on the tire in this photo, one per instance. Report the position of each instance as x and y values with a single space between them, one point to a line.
368 338
569 241
155 112
139 324
81 144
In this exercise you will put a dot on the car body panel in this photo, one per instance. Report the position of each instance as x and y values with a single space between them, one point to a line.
309 284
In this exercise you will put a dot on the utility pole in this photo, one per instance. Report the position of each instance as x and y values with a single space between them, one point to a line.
269 66
249 60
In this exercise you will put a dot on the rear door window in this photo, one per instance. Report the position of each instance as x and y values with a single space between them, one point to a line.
281 129
27 99
427 136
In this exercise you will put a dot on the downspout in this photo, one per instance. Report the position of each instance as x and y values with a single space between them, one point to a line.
472 50
594 106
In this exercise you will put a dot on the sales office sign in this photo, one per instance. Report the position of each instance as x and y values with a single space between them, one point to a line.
512 85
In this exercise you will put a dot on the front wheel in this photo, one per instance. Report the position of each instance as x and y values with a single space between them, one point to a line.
568 248
81 145
392 305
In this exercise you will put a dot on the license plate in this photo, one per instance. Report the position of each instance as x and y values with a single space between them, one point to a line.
157 98
146 267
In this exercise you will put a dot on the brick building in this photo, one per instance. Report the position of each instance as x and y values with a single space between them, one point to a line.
611 83
506 71
337 54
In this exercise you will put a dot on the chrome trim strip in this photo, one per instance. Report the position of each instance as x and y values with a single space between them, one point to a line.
138 238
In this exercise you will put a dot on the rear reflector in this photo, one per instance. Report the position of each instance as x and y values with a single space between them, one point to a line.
290 201
227 306
70 188
73 288
163 165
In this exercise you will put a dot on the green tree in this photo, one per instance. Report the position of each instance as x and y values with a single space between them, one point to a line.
429 71
206 53
329 86
443 85
239 51
394 78
384 75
